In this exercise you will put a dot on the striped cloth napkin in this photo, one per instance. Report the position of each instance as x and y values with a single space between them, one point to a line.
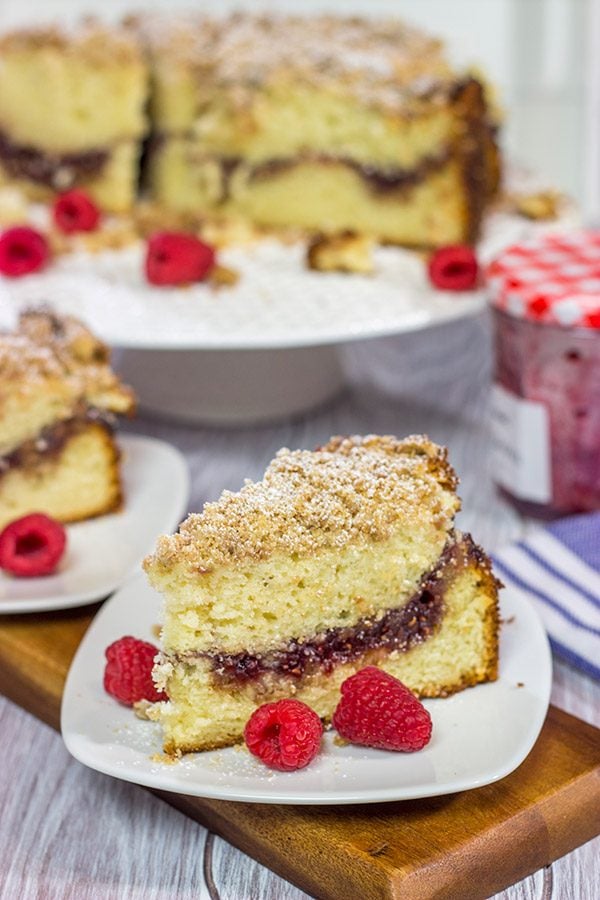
558 569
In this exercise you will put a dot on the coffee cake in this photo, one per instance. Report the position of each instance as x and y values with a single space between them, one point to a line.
72 112
340 557
58 402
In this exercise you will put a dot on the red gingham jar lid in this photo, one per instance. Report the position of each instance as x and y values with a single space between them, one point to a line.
553 279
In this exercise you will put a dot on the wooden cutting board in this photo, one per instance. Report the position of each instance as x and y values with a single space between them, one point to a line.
464 846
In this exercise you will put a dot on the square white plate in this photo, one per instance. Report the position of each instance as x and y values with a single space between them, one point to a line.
101 553
479 735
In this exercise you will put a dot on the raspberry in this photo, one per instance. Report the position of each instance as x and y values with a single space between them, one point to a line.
22 250
32 546
377 710
75 211
454 268
177 258
128 671
286 735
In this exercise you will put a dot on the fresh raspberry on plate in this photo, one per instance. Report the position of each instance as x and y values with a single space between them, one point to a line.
377 710
177 258
285 735
32 546
128 671
22 250
454 268
75 211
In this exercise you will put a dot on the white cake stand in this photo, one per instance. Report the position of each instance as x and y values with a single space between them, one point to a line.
263 349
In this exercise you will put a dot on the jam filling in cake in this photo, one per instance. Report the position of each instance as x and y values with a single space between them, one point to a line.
50 169
52 439
378 180
395 629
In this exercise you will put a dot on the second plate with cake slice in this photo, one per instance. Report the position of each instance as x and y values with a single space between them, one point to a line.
103 552
479 735
339 558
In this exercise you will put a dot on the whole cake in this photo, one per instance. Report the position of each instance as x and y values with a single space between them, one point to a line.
58 397
339 558
72 112
322 123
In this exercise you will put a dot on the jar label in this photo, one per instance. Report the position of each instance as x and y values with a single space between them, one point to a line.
521 458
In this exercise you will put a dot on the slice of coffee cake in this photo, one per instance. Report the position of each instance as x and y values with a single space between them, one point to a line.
338 558
58 397
72 112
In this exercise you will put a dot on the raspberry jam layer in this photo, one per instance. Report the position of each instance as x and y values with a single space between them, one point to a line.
58 171
397 629
379 180
52 439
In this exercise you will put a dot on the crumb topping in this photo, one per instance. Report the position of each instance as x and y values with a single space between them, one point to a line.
351 489
98 44
50 353
380 61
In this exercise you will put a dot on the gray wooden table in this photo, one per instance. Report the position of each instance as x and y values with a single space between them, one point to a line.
68 832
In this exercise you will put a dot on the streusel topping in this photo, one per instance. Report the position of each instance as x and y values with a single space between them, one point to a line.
99 44
59 355
381 61
352 489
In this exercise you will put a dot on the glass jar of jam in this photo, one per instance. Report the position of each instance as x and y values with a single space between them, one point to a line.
545 297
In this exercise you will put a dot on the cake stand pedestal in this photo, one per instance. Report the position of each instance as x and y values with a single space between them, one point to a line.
231 387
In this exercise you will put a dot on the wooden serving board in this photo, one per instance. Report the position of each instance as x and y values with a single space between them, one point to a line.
464 846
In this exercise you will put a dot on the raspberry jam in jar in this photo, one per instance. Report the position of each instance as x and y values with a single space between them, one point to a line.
545 296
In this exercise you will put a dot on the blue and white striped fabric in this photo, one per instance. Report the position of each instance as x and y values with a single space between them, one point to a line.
558 568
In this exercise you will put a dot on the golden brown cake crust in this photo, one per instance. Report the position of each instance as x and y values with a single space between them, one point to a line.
481 566
351 489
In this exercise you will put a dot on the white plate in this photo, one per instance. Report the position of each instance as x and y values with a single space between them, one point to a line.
276 303
479 735
105 551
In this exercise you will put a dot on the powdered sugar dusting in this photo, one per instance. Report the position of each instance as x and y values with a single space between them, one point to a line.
97 43
249 52
58 356
350 489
